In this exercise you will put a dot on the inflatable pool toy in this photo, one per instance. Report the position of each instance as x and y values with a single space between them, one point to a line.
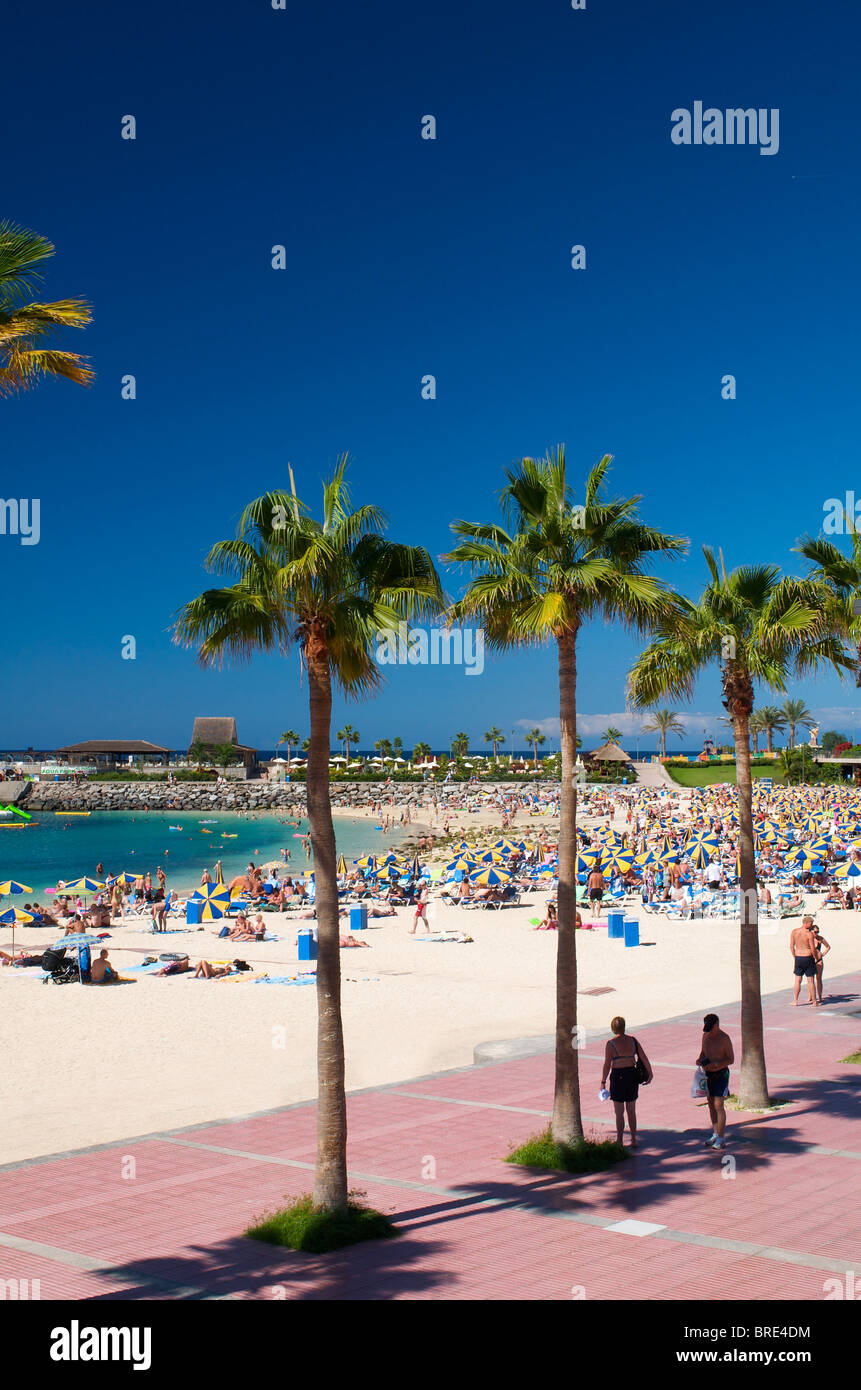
206 832
174 827
225 836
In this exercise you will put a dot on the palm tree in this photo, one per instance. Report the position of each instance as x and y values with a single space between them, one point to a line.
842 574
199 753
796 715
398 747
537 579
760 627
421 751
791 764
349 737
329 586
611 735
383 747
494 736
755 727
460 745
26 327
535 738
291 738
773 722
663 722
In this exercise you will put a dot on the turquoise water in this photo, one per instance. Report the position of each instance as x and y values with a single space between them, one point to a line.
66 847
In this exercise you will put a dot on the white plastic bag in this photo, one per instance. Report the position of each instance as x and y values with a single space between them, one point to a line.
699 1085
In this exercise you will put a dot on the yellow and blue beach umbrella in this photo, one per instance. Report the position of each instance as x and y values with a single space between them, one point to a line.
124 877
491 876
82 885
12 886
848 870
214 900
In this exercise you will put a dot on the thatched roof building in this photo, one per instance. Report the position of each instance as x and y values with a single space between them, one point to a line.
213 731
104 752
609 753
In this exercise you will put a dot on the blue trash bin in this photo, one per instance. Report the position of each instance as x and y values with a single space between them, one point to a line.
359 917
192 912
614 924
632 932
307 945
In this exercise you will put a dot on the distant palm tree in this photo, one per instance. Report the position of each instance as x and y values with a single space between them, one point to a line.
755 728
663 722
797 715
329 586
460 745
611 735
421 751
26 327
383 747
398 747
842 574
494 736
535 738
349 737
291 738
538 574
772 722
759 627
199 753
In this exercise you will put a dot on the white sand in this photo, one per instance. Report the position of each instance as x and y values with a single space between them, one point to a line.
87 1065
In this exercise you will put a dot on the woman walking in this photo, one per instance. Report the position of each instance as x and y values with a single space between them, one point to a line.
626 1063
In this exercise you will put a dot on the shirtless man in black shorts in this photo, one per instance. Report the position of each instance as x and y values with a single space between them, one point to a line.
802 946
716 1057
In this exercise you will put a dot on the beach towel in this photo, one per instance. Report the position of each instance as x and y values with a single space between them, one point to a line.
285 980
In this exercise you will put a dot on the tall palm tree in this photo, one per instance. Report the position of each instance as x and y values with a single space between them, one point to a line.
349 737
291 738
772 722
535 738
460 745
663 722
26 328
198 752
329 586
611 735
421 751
494 736
537 579
383 747
398 747
755 727
796 715
760 627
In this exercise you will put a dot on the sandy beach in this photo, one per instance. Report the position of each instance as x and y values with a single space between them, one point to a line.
159 1053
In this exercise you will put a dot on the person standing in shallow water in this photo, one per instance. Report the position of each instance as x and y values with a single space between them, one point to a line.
620 1063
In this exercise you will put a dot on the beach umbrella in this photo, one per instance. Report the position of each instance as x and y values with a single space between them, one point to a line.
492 856
465 864
124 877
490 876
648 857
700 855
12 886
78 940
368 861
214 899
586 861
82 885
16 914
219 874
848 870
342 865
619 859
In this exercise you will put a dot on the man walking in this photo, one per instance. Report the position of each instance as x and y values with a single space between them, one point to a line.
595 889
716 1057
802 946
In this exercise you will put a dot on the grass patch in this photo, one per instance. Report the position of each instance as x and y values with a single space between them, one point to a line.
853 1057
732 1104
586 1156
717 772
302 1226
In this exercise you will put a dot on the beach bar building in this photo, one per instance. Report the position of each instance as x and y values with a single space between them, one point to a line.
113 752
214 731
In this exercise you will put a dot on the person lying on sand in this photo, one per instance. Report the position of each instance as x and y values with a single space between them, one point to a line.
352 941
207 971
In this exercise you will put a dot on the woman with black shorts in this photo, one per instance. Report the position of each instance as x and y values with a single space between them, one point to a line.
620 1062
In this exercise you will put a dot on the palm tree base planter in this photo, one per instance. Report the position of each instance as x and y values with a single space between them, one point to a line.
584 1156
733 1103
315 1230
854 1057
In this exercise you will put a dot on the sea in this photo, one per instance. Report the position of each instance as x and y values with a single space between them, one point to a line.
54 847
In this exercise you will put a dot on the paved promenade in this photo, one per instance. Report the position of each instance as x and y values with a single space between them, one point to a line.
777 1216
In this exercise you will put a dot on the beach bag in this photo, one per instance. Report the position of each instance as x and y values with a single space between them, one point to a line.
640 1071
242 965
699 1085
174 955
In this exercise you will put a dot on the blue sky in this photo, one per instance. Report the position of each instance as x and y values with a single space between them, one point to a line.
406 257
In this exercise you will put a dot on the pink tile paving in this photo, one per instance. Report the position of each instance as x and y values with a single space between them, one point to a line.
429 1153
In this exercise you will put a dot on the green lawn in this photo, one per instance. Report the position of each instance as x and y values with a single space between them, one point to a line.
717 772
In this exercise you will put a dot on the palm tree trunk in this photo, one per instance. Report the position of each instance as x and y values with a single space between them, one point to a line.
753 1083
566 1125
330 1181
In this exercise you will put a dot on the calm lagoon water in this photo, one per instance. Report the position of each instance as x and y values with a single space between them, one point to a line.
69 846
